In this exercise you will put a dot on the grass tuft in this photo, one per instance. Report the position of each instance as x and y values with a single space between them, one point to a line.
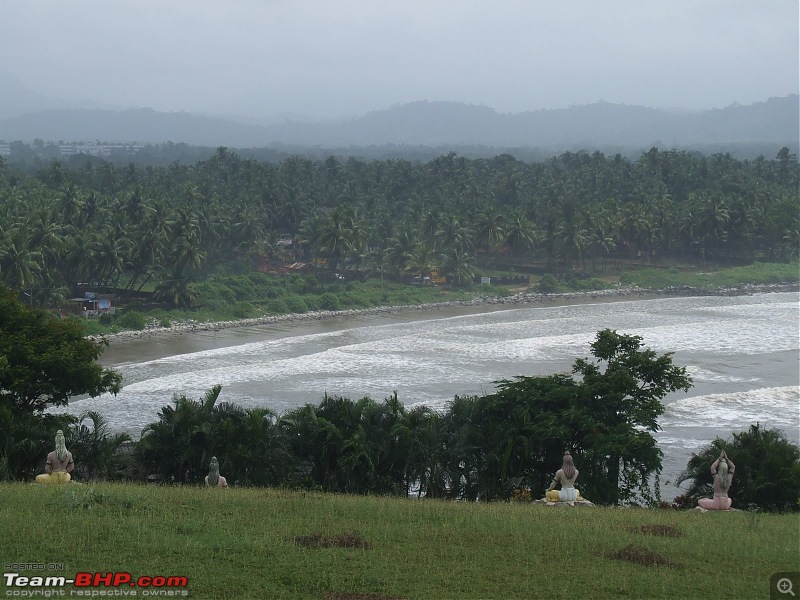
662 530
320 540
641 556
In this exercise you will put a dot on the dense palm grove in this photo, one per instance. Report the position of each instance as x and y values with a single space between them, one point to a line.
127 226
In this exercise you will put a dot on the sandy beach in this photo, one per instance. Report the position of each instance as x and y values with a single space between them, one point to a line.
525 297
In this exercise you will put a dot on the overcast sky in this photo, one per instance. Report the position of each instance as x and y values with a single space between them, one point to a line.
331 58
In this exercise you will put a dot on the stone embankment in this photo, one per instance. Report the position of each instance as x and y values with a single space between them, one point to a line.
518 298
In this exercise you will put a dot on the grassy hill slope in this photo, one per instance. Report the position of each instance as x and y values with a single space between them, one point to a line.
265 543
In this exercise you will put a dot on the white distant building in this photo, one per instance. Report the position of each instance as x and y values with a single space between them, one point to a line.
5 150
102 150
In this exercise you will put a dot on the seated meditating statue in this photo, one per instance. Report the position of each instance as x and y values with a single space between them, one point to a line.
59 463
214 479
722 471
565 476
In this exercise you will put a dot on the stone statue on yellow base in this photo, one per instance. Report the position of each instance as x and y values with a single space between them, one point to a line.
59 463
565 476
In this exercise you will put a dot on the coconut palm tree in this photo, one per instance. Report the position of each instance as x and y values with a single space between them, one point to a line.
96 445
20 266
458 265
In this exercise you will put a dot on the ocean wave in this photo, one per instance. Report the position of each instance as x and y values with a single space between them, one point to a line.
774 407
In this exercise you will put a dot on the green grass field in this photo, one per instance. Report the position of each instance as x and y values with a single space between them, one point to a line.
265 543
757 273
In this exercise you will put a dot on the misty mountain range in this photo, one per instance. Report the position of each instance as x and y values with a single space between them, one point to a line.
26 115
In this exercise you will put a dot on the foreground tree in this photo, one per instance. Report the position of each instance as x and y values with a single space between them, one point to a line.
516 436
620 402
605 419
46 360
43 361
767 471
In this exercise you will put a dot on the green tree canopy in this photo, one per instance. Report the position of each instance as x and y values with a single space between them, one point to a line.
619 404
45 360
516 436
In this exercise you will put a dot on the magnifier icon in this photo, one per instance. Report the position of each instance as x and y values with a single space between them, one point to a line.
784 586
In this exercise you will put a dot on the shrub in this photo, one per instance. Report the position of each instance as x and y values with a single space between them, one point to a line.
329 301
242 310
521 495
276 306
295 304
132 320
547 284
105 319
312 302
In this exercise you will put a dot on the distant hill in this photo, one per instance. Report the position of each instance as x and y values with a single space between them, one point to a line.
142 125
17 99
602 124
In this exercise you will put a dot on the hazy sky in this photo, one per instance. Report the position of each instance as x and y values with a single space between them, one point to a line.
333 58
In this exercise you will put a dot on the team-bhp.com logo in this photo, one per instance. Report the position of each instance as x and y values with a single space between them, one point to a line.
94 584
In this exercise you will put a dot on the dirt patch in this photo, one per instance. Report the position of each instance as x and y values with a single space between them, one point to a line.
641 556
345 540
351 596
662 530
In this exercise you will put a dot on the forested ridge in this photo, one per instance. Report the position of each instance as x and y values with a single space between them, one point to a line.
126 225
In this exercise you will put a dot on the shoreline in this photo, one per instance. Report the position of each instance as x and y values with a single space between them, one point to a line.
534 298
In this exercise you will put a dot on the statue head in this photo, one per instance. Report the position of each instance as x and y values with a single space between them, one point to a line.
568 466
722 471
61 446
213 472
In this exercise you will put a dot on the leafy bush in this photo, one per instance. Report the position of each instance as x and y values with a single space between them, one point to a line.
329 301
547 284
521 495
312 302
132 320
295 304
105 319
242 310
276 306
91 327
588 284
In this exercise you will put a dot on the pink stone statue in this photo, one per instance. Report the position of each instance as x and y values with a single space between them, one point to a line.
722 471
59 463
